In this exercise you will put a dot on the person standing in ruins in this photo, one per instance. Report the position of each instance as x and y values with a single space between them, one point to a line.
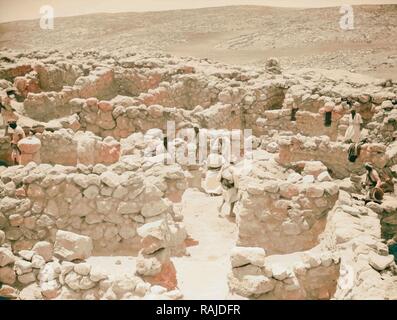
353 132
214 163
230 191
7 111
17 134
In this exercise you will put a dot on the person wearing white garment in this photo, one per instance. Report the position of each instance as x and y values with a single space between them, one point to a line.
229 186
215 161
353 132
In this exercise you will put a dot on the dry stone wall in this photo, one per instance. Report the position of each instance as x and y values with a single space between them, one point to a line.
284 216
333 155
108 206
311 275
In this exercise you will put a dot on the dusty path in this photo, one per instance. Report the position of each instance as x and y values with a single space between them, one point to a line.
203 274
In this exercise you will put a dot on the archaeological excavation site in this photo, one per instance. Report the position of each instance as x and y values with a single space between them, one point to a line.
130 174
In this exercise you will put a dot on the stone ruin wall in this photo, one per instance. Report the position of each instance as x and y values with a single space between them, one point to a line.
106 206
155 92
307 212
284 217
333 155
5 149
312 104
254 275
146 85
65 147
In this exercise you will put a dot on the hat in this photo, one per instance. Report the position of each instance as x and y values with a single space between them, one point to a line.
377 193
368 165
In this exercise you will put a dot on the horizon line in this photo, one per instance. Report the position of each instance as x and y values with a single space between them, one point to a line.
198 8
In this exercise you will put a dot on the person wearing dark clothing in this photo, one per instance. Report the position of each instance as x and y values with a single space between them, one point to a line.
328 119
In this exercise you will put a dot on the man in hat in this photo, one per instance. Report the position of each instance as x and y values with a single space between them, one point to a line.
376 186
7 111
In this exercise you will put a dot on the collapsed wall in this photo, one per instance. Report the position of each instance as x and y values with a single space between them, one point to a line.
60 271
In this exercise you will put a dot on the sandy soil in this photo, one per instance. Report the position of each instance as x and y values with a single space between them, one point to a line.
237 34
114 265
203 274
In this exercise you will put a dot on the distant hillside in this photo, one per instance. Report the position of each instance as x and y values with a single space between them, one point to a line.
244 34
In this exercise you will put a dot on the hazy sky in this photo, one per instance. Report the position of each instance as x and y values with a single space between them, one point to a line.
29 9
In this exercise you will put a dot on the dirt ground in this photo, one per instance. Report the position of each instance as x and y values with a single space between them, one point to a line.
214 236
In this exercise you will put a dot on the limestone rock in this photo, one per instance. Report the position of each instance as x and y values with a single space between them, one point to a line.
379 262
251 285
70 246
7 275
44 249
241 256
22 267
6 257
82 269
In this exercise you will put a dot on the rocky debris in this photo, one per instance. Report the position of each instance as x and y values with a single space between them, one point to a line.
251 285
71 246
241 256
159 240
273 66
62 280
293 278
379 262
8 292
